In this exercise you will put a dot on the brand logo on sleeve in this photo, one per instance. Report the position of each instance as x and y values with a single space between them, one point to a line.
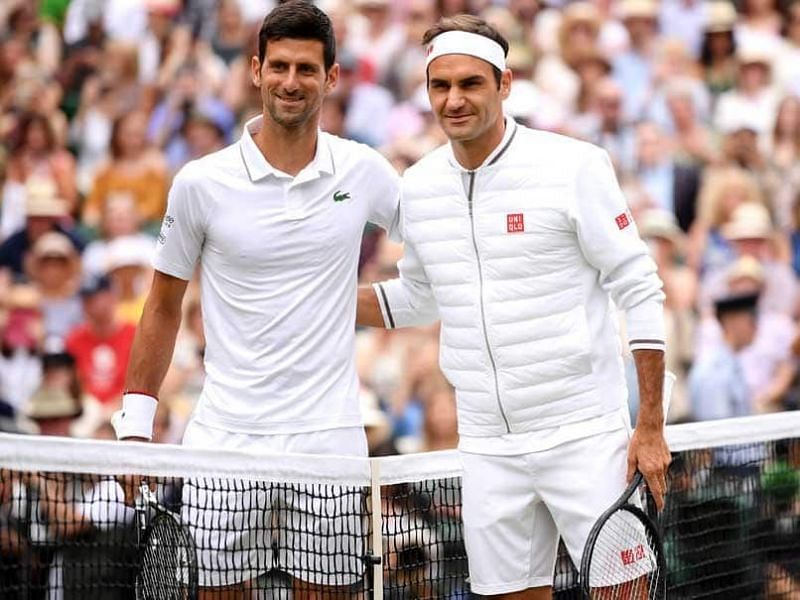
622 220
515 223
339 196
166 225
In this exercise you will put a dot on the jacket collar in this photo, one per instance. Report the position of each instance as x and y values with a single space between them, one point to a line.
494 155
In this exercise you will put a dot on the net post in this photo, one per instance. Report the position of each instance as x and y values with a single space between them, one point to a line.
377 529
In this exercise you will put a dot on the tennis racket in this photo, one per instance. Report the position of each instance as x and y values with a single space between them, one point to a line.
167 555
623 558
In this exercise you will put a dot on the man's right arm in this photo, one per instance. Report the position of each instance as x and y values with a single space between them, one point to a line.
151 355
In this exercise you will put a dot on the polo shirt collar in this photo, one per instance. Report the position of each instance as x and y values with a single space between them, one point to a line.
258 167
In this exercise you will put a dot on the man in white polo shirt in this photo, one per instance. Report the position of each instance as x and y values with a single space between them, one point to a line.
275 221
518 240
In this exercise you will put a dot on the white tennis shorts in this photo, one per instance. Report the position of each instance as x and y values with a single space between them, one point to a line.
516 507
243 529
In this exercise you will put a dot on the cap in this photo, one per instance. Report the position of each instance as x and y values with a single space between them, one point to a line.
94 285
128 251
720 16
755 53
41 198
53 243
735 304
749 221
48 403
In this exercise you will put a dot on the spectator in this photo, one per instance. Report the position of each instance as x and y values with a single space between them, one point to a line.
44 212
722 192
134 168
633 69
670 186
717 55
101 346
782 180
54 272
753 97
36 153
717 385
120 219
128 268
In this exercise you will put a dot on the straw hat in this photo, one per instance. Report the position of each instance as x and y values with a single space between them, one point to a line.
749 221
47 403
41 199
720 16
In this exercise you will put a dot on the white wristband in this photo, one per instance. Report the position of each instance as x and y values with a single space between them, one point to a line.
136 417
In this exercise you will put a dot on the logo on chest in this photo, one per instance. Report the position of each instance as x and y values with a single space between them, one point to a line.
515 223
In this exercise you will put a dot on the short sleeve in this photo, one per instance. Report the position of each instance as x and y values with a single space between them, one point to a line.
385 197
180 240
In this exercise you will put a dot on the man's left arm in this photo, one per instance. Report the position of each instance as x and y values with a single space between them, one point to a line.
610 242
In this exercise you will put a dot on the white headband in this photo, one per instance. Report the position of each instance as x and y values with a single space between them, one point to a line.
463 42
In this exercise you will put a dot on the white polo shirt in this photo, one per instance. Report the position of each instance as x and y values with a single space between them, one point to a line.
278 258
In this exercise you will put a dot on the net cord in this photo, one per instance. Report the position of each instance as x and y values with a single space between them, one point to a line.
103 457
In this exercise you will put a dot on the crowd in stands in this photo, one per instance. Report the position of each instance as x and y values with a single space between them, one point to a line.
103 101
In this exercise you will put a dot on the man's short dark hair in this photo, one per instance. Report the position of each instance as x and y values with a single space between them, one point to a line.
299 20
470 24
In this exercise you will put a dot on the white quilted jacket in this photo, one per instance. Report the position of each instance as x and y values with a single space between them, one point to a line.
519 259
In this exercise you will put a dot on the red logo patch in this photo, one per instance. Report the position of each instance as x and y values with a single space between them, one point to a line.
515 223
430 49
632 555
622 221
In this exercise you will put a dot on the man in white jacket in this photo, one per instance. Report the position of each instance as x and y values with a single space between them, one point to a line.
519 240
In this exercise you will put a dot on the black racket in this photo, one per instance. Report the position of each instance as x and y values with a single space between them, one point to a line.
167 555
624 556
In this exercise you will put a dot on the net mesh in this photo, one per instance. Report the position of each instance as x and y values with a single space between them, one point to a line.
731 524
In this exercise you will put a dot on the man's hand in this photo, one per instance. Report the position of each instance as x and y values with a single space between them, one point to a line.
648 452
130 483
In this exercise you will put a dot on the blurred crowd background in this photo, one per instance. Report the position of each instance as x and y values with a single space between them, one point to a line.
102 101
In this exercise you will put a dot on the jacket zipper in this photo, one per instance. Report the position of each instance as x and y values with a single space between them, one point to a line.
483 310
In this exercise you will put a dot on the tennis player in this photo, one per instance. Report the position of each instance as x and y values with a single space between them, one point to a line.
518 240
275 222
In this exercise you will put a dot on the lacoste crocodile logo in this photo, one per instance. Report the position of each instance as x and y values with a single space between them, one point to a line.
340 196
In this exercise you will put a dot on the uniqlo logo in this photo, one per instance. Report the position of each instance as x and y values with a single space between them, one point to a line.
623 221
632 555
515 223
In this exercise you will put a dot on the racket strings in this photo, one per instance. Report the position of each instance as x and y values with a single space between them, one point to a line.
166 561
624 563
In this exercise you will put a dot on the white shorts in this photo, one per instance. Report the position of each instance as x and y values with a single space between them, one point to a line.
243 529
516 507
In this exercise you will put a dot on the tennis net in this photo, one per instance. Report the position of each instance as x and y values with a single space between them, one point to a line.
358 528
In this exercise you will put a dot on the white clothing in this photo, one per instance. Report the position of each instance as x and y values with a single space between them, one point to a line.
317 530
278 257
521 269
516 507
